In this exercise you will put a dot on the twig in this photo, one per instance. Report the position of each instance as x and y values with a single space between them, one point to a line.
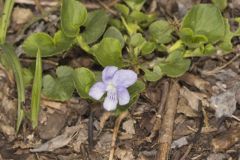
112 3
45 61
236 118
165 138
103 119
115 132
216 70
107 7
160 107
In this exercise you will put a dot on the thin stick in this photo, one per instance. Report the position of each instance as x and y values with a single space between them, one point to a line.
107 7
218 69
165 138
115 132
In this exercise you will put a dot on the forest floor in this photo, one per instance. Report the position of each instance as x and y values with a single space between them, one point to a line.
77 130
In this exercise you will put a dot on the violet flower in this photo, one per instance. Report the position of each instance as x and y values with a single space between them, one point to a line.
115 83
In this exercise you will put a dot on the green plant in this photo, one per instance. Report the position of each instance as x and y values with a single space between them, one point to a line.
123 43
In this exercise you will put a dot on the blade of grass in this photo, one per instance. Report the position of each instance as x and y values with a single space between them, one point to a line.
13 62
5 19
36 91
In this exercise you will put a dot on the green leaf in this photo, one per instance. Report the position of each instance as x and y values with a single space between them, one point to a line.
36 91
123 9
153 75
207 20
60 88
113 32
130 26
83 80
226 44
136 89
95 26
47 45
135 4
161 31
117 23
175 65
73 15
206 50
61 42
148 48
138 16
237 32
108 52
5 18
136 40
39 41
221 4
191 39
81 42
27 76
13 62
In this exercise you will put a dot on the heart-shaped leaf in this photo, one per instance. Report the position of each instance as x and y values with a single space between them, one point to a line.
73 15
108 52
207 20
161 31
83 80
221 4
148 48
47 45
191 39
153 75
113 32
95 26
60 88
136 40
175 65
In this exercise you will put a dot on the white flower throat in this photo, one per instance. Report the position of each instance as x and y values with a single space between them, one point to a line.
111 87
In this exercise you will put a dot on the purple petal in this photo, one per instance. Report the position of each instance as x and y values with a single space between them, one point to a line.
97 90
110 102
108 73
123 96
124 78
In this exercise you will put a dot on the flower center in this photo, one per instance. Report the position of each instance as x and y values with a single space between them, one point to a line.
111 87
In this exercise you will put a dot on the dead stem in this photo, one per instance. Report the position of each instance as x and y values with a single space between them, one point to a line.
218 69
45 61
107 7
160 107
115 132
165 138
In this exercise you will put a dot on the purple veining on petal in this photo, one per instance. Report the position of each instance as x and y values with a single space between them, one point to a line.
115 83
110 102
